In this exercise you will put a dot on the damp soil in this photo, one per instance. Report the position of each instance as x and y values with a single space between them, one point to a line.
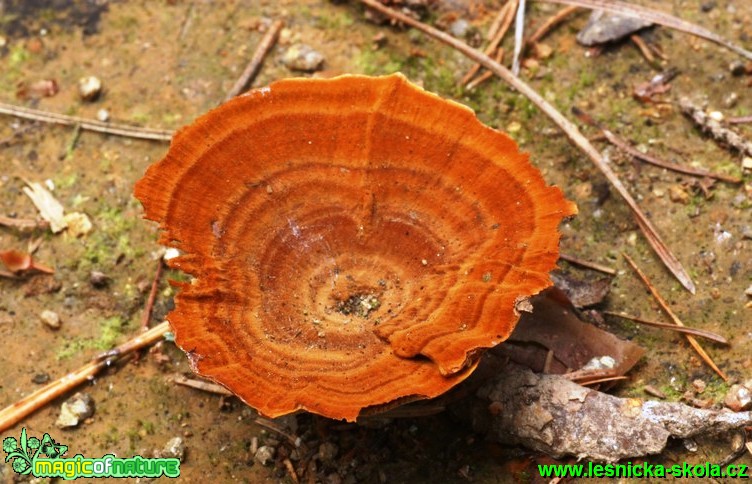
164 63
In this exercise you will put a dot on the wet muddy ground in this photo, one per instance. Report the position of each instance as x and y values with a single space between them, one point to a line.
164 63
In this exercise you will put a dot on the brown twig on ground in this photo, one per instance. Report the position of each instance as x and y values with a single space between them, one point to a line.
497 22
657 17
550 23
253 67
202 385
24 224
715 129
643 48
152 296
664 305
739 120
627 148
509 10
590 265
268 424
499 57
16 412
87 124
291 470
701 333
574 134
586 383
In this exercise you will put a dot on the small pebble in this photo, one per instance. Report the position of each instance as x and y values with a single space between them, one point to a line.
98 279
174 448
76 409
40 378
729 101
748 291
699 385
89 88
747 163
459 28
737 68
328 451
50 318
264 455
738 398
678 194
103 115
302 57
79 224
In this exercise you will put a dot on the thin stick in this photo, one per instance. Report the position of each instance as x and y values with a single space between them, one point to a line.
590 265
268 424
202 385
509 8
643 48
519 32
24 224
739 120
714 128
552 22
16 412
291 470
564 124
152 296
253 67
672 327
657 17
585 383
664 305
498 20
499 57
615 140
87 124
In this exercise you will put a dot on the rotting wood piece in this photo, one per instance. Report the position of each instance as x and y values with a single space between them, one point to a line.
354 241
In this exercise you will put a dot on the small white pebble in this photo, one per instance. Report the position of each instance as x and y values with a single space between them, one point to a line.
50 318
103 115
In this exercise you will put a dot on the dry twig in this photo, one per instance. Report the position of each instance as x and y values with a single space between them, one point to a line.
714 128
564 124
672 327
16 412
627 148
202 385
590 265
664 305
152 296
87 124
552 22
253 67
508 10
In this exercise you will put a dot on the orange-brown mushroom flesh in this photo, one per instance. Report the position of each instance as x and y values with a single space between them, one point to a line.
353 241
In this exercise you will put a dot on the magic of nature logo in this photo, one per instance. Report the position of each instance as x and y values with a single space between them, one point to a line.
44 458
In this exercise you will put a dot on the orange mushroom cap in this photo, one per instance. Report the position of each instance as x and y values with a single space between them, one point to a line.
353 241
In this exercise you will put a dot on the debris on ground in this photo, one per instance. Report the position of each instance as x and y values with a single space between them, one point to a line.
551 414
580 292
89 88
603 27
49 208
50 318
302 57
710 124
174 448
75 410
21 263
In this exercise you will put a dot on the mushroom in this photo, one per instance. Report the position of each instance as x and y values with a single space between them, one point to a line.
353 242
